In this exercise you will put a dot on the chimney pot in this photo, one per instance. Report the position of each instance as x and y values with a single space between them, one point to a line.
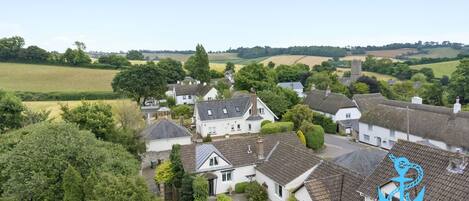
260 148
457 106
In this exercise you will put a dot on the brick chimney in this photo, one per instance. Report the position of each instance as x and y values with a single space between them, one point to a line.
457 106
254 104
260 148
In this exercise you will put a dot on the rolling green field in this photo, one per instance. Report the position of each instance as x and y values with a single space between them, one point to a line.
47 78
441 68
438 53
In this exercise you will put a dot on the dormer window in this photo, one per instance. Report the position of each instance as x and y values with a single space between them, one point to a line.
225 111
237 109
209 112
214 161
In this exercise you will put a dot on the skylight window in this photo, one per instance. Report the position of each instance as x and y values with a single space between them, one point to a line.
209 112
225 111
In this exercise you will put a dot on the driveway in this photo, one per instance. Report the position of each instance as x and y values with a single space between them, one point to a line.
339 145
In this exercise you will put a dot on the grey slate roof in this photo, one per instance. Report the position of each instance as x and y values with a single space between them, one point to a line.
235 107
426 121
363 161
288 162
164 129
317 100
192 89
203 151
236 150
440 183
291 85
331 182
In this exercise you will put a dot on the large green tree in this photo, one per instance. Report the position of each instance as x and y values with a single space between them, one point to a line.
458 85
298 114
76 56
198 65
114 60
10 48
176 165
276 102
200 188
72 185
50 149
173 69
141 82
296 72
33 54
253 76
11 110
134 55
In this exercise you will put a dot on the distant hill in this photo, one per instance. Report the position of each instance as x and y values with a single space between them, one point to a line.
441 68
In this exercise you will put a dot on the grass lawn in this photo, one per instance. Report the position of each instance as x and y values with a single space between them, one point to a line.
54 106
340 72
441 68
47 78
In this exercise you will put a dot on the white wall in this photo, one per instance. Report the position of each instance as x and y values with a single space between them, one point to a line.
342 114
211 95
186 99
385 135
223 126
261 179
302 194
166 144
238 175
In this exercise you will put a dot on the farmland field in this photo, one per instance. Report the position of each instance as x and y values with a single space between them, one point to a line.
441 68
54 106
390 53
438 53
47 78
220 67
340 72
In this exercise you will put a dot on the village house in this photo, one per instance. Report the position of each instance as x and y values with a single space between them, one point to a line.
163 134
384 121
189 91
294 86
337 106
445 174
237 115
278 162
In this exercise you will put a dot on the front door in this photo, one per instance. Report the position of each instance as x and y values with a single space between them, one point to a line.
211 187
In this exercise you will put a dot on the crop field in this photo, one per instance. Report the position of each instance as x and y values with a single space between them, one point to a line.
340 72
441 68
283 59
48 78
312 60
54 106
438 53
390 53
354 57
220 67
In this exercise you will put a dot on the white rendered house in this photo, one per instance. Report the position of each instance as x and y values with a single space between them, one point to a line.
295 86
337 106
163 134
384 122
190 92
231 116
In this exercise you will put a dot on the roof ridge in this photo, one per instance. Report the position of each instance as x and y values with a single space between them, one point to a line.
272 151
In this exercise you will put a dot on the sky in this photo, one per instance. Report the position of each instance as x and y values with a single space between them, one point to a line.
121 25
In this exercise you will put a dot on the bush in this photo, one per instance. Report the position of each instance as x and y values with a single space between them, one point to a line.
265 122
164 173
256 192
208 138
301 136
215 74
66 96
223 197
326 122
314 135
277 127
241 187
185 111
200 188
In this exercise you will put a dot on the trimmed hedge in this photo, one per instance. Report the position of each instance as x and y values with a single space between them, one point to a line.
265 122
325 122
223 197
66 96
256 192
241 187
277 127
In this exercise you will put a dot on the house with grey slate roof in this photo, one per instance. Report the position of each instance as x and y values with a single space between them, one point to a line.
384 121
337 106
163 134
295 86
237 115
279 162
445 174
190 90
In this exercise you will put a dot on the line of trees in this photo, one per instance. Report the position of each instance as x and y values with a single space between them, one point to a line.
417 45
259 51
